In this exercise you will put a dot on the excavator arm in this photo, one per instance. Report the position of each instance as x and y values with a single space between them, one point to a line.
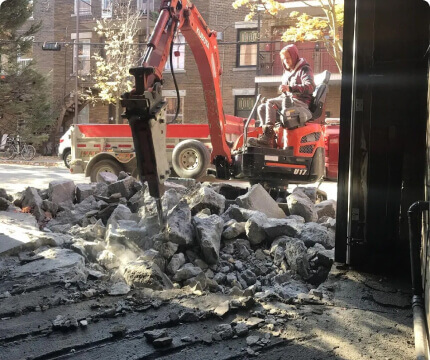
145 107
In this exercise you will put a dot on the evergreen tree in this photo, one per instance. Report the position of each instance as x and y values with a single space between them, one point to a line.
24 105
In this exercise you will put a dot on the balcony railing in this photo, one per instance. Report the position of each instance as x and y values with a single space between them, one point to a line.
23 63
318 59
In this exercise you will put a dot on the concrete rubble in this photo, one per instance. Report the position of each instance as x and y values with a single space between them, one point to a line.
98 240
210 243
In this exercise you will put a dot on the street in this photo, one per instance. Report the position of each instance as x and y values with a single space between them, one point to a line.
15 178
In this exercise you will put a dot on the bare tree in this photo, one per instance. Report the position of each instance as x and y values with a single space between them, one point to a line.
119 54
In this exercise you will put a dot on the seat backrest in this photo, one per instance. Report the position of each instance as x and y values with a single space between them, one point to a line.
320 94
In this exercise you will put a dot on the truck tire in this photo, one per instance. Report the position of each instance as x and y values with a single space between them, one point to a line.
190 159
67 157
105 165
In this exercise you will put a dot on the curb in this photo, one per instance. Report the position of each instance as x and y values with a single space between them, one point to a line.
33 163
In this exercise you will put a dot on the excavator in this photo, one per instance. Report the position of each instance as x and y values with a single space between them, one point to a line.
299 153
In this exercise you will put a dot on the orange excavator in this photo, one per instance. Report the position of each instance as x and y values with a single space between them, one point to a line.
299 153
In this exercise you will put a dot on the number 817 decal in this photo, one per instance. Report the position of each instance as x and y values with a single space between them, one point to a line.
300 171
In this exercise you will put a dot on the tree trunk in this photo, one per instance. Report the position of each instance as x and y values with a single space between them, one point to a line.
118 111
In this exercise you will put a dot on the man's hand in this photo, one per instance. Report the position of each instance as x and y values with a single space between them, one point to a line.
284 88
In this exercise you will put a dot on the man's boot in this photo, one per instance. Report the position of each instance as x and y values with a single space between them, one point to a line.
266 139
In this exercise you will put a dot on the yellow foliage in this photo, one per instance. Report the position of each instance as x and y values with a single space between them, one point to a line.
324 29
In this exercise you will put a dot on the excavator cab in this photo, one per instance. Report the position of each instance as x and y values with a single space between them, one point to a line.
299 154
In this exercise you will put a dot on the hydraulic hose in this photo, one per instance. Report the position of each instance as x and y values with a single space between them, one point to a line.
420 328
178 97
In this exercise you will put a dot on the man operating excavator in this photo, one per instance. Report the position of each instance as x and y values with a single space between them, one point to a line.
296 93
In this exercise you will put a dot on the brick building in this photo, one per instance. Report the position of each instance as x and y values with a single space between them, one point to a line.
241 79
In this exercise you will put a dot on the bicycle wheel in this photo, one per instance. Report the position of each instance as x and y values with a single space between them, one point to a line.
8 152
28 152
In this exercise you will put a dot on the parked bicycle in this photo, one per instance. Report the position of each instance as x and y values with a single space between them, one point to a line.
15 147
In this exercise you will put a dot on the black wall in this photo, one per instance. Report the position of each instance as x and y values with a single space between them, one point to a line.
383 130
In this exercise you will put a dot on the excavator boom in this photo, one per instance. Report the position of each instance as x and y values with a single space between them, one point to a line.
145 106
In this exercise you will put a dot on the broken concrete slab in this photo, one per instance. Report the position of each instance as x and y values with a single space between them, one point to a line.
255 228
208 233
108 178
175 263
121 212
259 199
119 288
19 231
142 273
313 233
279 227
206 198
179 229
124 186
300 204
186 272
233 229
129 234
61 263
31 198
83 191
296 257
4 204
234 212
61 190
326 208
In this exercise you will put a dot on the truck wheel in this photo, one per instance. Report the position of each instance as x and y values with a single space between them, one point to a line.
190 159
67 157
105 165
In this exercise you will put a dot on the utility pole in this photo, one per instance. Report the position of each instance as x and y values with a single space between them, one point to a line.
257 71
147 20
75 120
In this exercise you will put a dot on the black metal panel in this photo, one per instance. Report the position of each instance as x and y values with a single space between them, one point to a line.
254 165
345 129
388 122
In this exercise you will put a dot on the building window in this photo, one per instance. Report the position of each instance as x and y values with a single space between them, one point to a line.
30 4
144 5
247 53
106 8
178 54
25 58
243 105
84 115
84 7
84 60
171 110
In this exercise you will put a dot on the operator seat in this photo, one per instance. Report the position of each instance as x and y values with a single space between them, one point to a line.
320 94
296 117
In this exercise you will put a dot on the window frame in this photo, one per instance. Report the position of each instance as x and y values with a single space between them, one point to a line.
142 6
106 8
239 45
236 98
79 71
178 61
181 109
84 116
83 7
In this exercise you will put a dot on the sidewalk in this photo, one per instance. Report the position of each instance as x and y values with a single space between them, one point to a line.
37 161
